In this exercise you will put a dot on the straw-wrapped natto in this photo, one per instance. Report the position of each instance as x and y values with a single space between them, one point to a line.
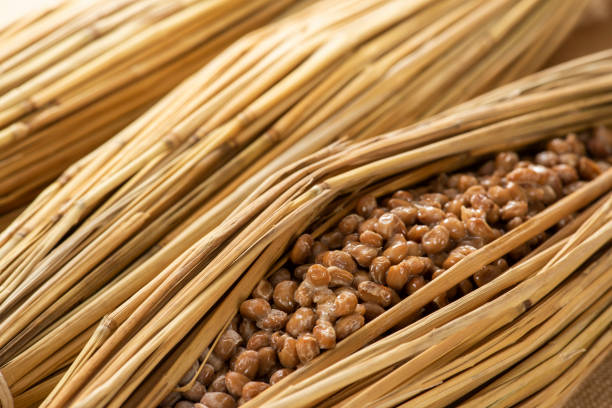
248 243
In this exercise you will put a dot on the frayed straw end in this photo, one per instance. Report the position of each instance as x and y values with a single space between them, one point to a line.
6 398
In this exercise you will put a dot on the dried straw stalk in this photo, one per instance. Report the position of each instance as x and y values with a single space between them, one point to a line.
88 69
134 339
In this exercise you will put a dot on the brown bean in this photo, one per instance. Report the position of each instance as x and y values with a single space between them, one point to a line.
454 207
470 193
371 238
588 168
359 277
340 259
365 205
467 213
171 399
378 268
486 274
300 271
235 323
466 181
349 239
263 290
499 195
216 361
234 382
454 226
283 295
196 392
441 301
275 320
513 223
571 159
488 206
415 283
280 275
278 339
540 195
287 356
234 358
402 194
416 232
302 249
184 404
400 250
258 340
218 400
396 202
525 175
506 161
389 224
513 209
465 286
267 360
253 389
218 384
368 225
317 250
349 224
307 348
247 328
372 310
436 240
516 192
559 146
189 374
255 309
318 275
438 258
348 324
339 277
566 173
364 254
325 334
302 321
429 215
575 143
323 294
406 213
397 276
373 292
332 240
378 212
345 303
457 254
435 199
479 227
228 342
206 375
417 265
279 375
360 309
547 158
304 294
600 144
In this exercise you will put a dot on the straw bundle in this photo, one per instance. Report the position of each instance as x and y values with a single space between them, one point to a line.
134 357
118 217
75 75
